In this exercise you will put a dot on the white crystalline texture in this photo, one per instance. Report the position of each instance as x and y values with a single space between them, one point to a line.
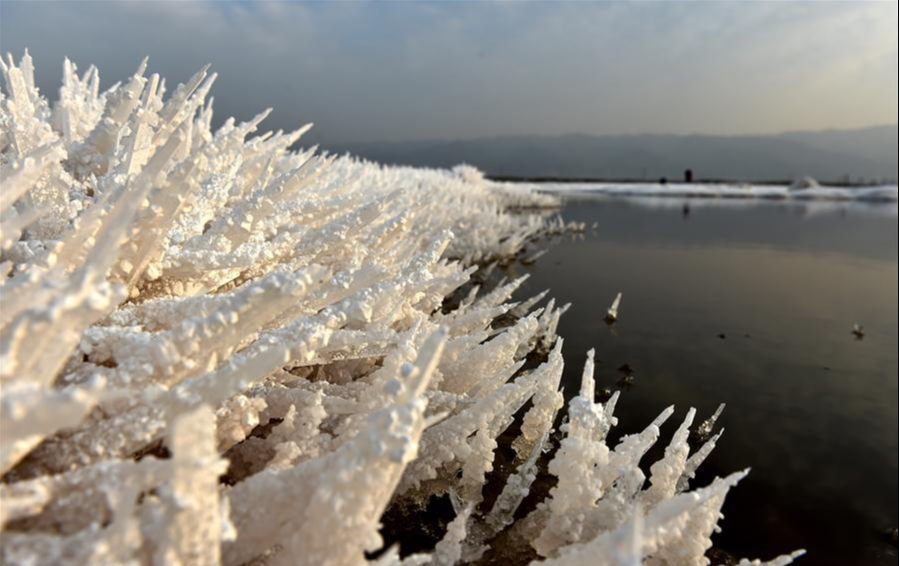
218 351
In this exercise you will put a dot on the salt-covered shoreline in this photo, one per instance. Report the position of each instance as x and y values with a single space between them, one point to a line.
218 351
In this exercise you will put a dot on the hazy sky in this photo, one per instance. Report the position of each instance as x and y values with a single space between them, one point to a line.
377 70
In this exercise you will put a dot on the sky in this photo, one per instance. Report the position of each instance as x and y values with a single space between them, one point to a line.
369 71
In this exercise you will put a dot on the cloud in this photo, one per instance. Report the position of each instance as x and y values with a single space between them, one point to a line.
413 70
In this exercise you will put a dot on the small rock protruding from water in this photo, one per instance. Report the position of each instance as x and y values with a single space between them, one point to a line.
859 332
612 314
628 380
719 557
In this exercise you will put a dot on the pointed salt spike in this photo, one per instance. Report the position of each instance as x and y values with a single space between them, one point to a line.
95 82
688 422
304 130
663 418
260 118
448 552
28 70
207 86
5 70
525 307
588 382
706 429
719 412
142 68
150 91
696 461
671 509
195 81
612 315
427 361
88 75
612 405
435 420
193 518
182 94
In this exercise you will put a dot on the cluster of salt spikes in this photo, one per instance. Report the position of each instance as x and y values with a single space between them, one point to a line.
216 351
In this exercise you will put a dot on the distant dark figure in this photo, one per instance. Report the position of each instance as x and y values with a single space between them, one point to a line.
687 210
663 181
688 176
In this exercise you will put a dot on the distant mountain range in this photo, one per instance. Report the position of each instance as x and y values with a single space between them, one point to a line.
832 156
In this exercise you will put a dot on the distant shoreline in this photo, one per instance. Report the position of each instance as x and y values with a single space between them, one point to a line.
805 191
678 182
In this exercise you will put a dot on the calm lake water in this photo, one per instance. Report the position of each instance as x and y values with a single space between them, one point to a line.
753 305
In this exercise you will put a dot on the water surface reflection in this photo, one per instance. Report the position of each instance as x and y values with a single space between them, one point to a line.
753 305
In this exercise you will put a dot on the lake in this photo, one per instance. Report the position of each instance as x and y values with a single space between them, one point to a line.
752 304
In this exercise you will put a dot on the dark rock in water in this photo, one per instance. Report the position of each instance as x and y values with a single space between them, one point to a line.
628 380
722 336
894 537
720 558
626 369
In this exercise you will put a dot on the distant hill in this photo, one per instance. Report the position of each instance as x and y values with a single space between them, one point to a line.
835 156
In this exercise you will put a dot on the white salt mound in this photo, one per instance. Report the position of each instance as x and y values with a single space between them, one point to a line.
215 351
804 183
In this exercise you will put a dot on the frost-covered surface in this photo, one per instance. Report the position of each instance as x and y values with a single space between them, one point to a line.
800 191
216 351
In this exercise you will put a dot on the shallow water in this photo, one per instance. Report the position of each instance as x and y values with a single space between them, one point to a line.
752 305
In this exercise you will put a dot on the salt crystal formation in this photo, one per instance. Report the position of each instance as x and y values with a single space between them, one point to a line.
217 351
